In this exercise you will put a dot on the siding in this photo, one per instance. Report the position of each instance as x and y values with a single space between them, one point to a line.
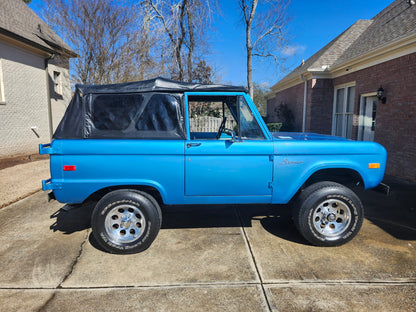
293 98
26 105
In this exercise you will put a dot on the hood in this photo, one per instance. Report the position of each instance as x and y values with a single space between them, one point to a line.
302 136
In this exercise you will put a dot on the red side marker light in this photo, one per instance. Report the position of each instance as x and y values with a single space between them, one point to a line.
70 168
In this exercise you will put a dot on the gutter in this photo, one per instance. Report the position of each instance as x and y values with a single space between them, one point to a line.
305 101
48 91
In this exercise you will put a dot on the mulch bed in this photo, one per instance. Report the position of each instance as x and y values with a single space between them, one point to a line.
22 159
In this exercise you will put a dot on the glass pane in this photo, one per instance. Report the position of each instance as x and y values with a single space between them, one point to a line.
349 119
350 99
340 101
115 111
207 113
162 113
338 125
249 128
373 123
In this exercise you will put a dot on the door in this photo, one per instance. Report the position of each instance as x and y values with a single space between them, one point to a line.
368 112
227 154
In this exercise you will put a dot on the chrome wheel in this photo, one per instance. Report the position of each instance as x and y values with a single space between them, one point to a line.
125 223
331 218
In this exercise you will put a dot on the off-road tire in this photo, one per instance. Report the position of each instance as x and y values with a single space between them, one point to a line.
328 214
126 221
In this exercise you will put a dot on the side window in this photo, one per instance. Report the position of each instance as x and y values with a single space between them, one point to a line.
57 82
115 111
210 117
343 111
162 113
249 127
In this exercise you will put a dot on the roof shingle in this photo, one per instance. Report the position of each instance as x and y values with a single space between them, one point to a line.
18 20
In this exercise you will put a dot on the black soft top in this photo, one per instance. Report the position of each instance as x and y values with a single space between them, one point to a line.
150 109
157 85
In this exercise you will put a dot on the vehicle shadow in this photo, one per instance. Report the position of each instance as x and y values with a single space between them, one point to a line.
275 219
72 218
395 214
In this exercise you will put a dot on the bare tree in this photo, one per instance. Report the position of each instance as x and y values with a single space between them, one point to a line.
264 22
112 38
185 24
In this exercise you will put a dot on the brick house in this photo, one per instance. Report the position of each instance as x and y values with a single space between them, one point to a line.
335 91
34 79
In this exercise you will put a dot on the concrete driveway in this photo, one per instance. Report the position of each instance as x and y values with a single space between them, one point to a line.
223 258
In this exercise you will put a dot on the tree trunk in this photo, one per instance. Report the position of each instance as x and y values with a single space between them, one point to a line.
249 64
191 43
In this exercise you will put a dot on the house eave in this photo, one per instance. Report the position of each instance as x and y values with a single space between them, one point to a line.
395 49
22 41
390 51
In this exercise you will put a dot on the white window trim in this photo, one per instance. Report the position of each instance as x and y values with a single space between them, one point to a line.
2 98
57 85
363 99
344 108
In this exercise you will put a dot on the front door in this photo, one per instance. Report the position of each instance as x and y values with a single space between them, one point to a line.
227 153
368 112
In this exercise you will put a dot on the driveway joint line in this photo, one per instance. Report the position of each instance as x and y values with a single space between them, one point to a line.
253 259
288 283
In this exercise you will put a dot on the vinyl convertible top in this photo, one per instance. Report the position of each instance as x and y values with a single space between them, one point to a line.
157 85
150 109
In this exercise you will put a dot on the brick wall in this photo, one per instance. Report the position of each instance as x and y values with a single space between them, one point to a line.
293 97
320 106
24 82
395 120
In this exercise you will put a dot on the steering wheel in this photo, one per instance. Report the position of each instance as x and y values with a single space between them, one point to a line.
228 131
221 129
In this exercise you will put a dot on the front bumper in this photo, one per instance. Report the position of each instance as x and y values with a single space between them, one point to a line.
382 188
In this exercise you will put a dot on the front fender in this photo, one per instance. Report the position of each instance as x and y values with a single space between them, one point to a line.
291 172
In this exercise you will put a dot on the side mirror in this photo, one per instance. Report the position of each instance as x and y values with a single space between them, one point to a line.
235 138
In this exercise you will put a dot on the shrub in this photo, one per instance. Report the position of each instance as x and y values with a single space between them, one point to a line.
274 126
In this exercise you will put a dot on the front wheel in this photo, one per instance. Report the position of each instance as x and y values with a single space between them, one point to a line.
328 214
126 221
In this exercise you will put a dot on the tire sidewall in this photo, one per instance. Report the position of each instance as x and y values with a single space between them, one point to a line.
307 208
146 206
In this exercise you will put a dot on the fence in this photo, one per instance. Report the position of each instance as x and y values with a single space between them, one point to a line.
209 124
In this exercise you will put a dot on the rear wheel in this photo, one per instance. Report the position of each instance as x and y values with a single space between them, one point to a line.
126 221
328 214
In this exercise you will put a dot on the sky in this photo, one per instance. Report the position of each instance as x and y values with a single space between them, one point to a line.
312 25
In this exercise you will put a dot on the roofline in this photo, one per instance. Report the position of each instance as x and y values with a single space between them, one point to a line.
57 48
395 49
14 36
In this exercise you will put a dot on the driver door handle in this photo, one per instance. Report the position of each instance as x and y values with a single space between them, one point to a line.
192 145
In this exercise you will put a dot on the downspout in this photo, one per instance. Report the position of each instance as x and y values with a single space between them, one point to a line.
305 101
48 93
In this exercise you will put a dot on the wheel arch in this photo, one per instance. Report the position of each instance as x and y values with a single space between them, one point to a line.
344 176
151 190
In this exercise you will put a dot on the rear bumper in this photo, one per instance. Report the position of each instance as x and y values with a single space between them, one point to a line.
48 185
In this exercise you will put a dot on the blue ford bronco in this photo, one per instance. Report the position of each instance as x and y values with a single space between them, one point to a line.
135 146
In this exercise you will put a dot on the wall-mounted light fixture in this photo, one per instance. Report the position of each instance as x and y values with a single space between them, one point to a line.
380 95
